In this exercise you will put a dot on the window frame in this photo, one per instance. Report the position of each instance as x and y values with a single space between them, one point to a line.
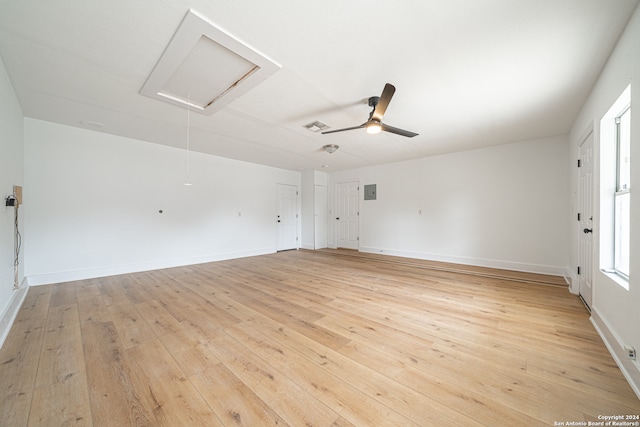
608 167
621 190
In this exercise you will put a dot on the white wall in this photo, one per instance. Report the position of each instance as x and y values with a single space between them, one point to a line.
312 229
11 173
615 311
94 202
505 206
320 209
308 231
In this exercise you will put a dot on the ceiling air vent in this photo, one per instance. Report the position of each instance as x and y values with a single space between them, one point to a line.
316 126
206 68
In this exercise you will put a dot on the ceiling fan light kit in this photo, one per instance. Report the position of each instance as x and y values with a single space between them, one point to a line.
374 124
330 148
374 127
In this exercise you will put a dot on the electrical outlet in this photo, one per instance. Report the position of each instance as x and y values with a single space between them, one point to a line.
631 352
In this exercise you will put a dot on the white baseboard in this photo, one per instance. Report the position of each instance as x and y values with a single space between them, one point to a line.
630 368
505 265
308 246
571 278
10 312
113 270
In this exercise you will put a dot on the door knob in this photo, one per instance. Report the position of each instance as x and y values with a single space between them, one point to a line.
588 230
338 218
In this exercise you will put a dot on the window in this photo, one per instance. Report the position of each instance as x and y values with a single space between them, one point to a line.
623 193
615 189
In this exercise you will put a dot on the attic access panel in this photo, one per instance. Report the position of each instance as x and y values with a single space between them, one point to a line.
205 67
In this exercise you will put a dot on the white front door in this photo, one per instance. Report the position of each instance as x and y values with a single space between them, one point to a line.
585 220
287 218
347 194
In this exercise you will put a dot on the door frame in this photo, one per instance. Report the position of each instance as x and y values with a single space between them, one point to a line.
585 219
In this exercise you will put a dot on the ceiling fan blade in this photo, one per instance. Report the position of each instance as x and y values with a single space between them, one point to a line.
383 102
397 131
342 130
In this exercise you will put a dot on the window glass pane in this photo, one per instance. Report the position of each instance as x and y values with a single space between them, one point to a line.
624 151
622 220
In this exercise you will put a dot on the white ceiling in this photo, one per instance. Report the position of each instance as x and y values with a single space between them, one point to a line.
468 73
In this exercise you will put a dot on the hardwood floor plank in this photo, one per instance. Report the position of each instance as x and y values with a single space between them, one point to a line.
233 402
306 338
478 407
114 399
158 319
87 288
350 402
418 408
64 403
112 291
291 402
36 304
61 357
61 394
63 294
190 354
132 328
196 303
92 308
19 357
165 389
595 379
282 313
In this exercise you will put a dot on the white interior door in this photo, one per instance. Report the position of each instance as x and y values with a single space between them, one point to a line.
287 218
320 217
347 194
585 220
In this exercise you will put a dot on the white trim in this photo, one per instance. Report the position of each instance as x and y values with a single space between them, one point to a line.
10 312
571 278
193 29
630 369
90 273
479 262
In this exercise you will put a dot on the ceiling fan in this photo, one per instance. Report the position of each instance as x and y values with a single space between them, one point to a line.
374 124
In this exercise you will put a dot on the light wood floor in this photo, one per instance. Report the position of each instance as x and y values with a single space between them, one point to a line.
306 338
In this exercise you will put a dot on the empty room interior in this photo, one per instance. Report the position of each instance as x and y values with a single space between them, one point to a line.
363 213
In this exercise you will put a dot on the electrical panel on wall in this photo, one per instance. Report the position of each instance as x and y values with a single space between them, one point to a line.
370 192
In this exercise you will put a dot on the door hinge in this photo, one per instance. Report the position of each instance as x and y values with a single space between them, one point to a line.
358 238
296 193
578 270
296 238
296 215
579 163
578 216
358 213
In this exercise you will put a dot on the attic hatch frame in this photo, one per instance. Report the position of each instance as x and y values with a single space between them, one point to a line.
205 68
